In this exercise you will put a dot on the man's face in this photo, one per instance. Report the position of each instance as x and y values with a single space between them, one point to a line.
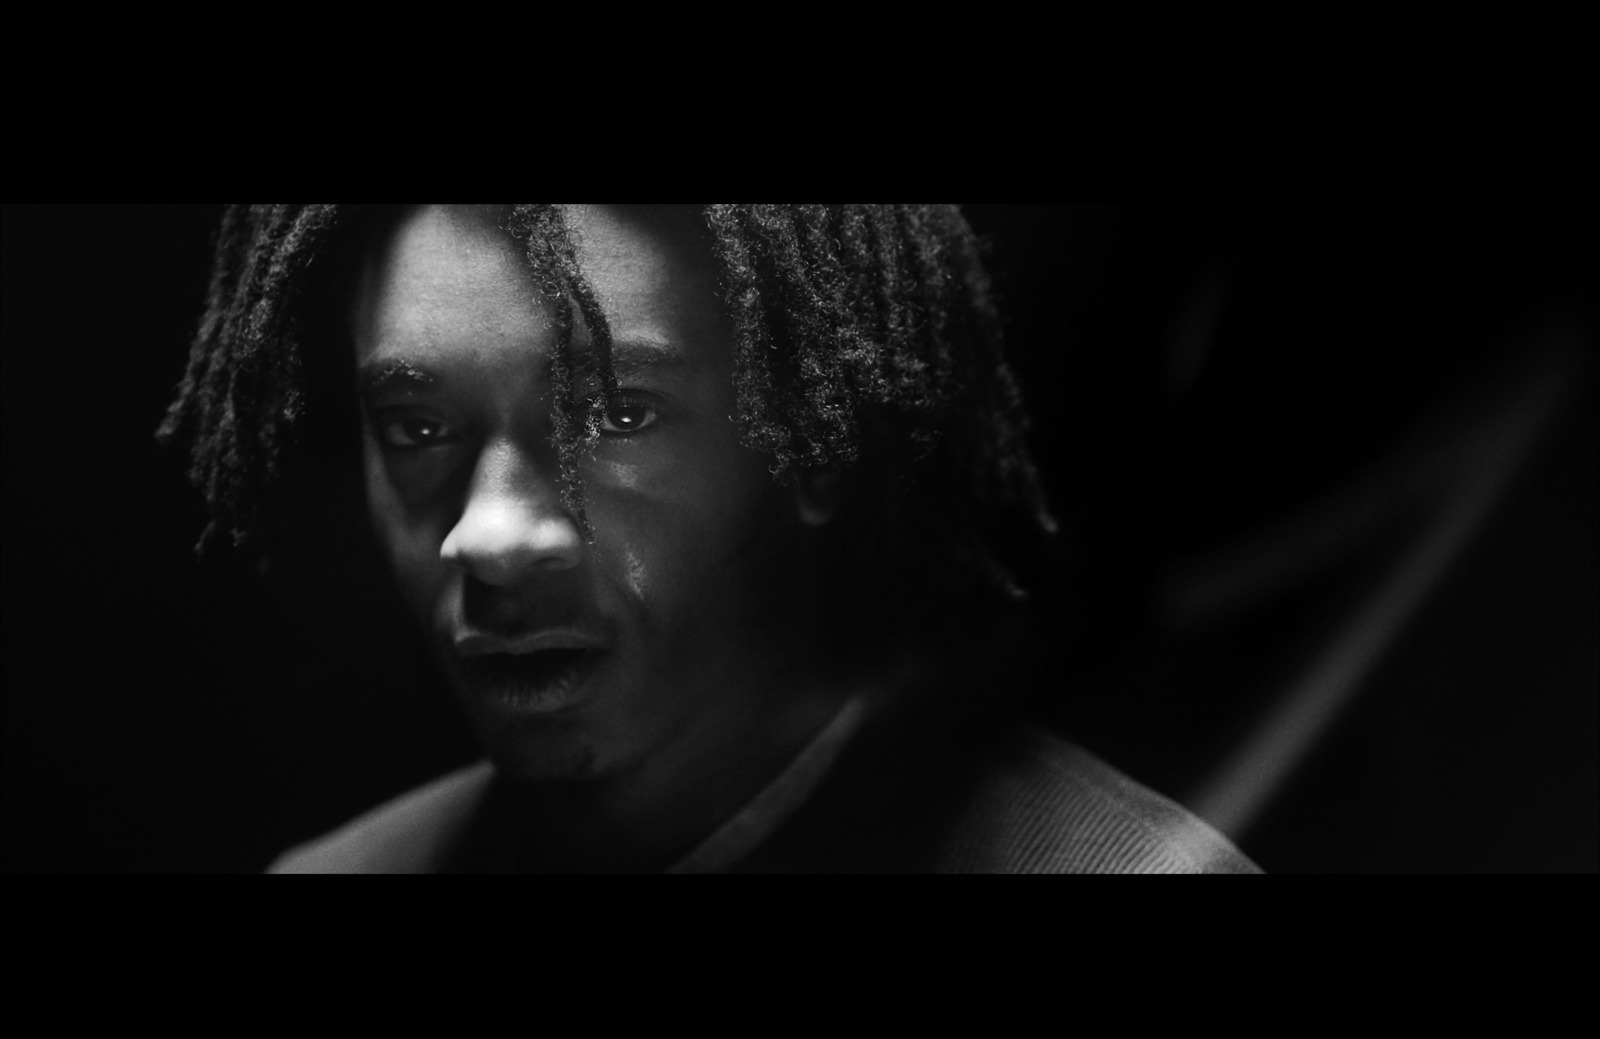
671 633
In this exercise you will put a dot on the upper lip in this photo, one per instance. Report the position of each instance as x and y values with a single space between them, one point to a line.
479 644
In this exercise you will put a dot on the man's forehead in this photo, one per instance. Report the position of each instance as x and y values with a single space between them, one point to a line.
636 353
448 278
647 262
445 269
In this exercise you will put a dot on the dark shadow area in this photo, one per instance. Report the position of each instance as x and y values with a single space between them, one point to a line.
1333 480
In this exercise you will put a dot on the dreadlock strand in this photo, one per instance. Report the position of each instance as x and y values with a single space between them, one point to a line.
935 370
1006 415
753 344
594 318
821 371
542 228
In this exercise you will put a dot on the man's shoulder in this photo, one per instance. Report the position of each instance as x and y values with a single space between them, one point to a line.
414 833
1038 803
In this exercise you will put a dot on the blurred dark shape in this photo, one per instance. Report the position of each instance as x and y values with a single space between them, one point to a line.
1335 479
1460 471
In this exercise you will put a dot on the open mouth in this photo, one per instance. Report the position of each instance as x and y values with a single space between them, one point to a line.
547 677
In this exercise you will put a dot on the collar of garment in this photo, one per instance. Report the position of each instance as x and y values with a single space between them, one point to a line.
778 800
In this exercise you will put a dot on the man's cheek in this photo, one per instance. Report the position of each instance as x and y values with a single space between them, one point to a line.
635 559
410 545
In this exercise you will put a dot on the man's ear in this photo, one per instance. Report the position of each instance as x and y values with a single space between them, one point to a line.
817 495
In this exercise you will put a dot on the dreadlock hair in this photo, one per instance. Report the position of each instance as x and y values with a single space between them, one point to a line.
866 339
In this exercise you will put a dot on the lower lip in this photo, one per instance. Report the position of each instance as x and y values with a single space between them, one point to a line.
527 688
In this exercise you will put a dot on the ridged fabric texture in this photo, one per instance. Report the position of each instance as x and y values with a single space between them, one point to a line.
1026 802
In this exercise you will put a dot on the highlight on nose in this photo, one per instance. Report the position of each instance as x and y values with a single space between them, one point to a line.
505 539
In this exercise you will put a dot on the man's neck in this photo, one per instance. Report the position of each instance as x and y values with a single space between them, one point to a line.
645 818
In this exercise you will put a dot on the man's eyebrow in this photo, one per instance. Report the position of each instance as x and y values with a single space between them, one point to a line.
629 357
375 377
633 354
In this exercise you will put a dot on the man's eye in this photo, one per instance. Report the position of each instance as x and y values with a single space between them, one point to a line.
626 415
412 433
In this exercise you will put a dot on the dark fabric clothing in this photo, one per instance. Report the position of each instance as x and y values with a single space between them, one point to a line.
940 797
1025 801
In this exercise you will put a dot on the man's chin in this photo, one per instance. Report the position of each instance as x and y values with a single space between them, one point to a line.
553 753
533 713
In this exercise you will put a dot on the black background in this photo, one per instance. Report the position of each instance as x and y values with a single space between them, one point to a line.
1196 374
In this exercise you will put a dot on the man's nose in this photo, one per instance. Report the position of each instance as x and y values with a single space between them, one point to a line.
514 525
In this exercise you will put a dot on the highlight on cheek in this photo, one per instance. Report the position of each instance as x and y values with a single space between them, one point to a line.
626 476
637 575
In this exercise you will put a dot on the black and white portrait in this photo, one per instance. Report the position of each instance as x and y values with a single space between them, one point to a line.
800 538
